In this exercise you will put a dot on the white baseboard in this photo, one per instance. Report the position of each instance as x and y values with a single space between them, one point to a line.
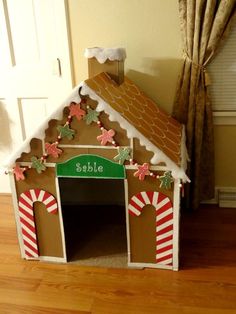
224 196
227 197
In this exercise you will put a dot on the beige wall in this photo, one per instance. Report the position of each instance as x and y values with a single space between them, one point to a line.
150 32
225 152
148 29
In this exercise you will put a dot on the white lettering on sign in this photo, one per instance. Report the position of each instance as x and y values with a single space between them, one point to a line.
89 167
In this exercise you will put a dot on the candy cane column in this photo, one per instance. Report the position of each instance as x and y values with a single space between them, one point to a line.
164 222
26 212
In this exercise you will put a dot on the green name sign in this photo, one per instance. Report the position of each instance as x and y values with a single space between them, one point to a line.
90 166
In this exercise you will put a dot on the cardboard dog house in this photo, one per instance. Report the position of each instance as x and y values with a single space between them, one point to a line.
107 155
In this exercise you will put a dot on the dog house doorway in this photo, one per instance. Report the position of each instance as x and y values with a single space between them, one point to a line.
93 212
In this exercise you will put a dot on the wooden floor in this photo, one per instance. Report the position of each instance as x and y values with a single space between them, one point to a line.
205 284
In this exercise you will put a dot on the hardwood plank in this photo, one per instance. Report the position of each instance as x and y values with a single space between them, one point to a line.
206 282
25 309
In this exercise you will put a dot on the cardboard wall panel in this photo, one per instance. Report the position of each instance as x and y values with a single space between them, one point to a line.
36 150
143 227
47 225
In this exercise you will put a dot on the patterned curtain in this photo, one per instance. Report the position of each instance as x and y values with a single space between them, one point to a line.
204 24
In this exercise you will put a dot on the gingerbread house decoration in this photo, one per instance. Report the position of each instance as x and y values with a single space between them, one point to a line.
107 163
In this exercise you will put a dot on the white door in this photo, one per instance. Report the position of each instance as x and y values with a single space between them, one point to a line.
35 70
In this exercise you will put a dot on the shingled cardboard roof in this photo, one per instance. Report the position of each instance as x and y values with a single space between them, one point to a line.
141 112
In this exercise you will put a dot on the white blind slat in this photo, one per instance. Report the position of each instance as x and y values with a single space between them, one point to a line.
222 71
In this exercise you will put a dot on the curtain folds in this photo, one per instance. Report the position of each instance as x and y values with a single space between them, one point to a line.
204 24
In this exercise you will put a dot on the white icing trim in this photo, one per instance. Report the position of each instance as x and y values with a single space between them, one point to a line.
39 133
159 156
176 223
102 54
127 220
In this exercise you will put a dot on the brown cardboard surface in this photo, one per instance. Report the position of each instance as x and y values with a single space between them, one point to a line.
51 132
114 68
85 134
141 155
143 236
68 153
48 231
47 225
120 136
36 150
107 153
149 184
143 227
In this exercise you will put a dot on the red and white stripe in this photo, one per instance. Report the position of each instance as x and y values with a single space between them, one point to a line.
26 212
164 222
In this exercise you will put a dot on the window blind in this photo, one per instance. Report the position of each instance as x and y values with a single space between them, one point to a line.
222 71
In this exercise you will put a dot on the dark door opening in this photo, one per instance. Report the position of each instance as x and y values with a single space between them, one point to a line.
94 220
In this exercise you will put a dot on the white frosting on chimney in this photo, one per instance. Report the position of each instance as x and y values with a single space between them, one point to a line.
102 54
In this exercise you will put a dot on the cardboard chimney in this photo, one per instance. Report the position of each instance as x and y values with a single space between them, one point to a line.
106 60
